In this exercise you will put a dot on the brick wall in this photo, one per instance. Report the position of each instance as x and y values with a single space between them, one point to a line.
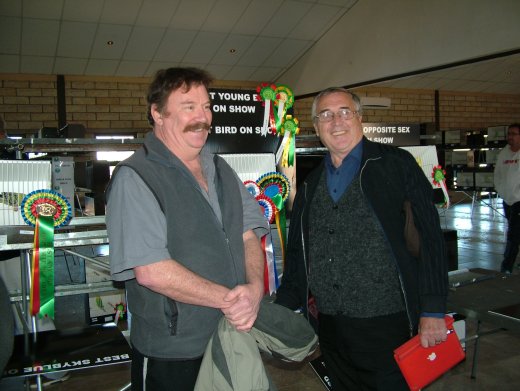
28 103
458 110
101 104
106 103
117 105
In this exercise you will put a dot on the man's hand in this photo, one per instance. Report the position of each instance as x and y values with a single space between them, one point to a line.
244 305
432 331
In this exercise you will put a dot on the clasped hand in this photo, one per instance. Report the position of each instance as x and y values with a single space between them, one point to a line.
243 304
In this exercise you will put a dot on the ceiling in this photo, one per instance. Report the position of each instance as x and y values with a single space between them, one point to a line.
251 40
499 75
233 39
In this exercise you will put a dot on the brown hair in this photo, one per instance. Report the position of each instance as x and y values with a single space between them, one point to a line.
168 80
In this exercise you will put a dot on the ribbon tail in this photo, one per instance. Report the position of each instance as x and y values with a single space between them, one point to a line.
280 114
273 123
281 149
291 151
46 249
266 123
266 271
34 301
271 264
445 192
280 223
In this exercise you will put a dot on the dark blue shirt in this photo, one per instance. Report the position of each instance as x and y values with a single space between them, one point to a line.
339 179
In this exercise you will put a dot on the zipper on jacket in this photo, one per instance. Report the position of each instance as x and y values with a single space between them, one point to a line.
303 249
410 323
228 246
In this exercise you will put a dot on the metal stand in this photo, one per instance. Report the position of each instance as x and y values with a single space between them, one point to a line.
492 202
78 234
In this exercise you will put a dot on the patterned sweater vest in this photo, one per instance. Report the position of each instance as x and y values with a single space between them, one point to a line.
352 269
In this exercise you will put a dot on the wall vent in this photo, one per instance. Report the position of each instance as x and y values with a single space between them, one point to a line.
375 102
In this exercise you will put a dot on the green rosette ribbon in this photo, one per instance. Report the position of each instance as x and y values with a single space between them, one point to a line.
439 179
43 268
266 93
44 210
290 128
284 101
438 175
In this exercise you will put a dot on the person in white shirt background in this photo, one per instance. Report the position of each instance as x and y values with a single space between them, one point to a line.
507 185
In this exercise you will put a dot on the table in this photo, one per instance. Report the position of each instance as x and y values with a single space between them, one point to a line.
486 296
493 298
65 350
36 347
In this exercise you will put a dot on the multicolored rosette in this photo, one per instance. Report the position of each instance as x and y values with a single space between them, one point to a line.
44 210
252 187
39 201
276 186
286 152
267 206
267 94
439 179
284 101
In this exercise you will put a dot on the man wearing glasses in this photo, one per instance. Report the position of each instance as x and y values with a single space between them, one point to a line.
348 266
507 184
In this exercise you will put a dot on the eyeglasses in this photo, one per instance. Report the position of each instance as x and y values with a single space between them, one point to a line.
328 116
512 134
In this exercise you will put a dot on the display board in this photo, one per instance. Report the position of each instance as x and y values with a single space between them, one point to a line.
426 157
393 134
237 123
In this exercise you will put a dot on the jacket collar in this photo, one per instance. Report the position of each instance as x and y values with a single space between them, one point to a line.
371 150
157 151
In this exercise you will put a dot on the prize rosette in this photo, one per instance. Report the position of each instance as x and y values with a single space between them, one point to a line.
274 184
438 175
266 93
44 210
289 128
120 309
284 97
439 179
284 101
252 187
46 202
267 206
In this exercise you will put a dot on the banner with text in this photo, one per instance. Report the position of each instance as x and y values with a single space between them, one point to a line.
394 134
237 123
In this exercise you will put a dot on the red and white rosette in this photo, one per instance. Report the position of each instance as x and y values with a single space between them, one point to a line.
268 207
253 188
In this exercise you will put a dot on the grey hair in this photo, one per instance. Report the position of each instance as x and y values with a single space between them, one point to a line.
332 90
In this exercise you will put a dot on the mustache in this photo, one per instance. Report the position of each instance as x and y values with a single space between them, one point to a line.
198 125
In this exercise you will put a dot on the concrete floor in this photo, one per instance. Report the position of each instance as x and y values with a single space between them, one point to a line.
480 245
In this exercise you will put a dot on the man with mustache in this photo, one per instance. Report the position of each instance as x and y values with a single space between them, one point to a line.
184 236
348 251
